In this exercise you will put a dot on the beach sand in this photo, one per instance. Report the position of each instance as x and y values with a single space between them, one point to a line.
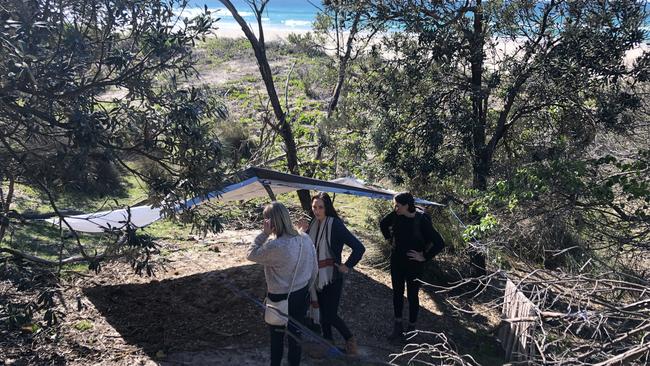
271 33
232 30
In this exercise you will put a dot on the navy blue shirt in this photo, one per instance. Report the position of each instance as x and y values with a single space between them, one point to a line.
342 236
412 233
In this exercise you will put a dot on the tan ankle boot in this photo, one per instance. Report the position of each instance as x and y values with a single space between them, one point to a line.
351 348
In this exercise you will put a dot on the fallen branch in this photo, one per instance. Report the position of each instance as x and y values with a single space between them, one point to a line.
40 260
73 259
624 356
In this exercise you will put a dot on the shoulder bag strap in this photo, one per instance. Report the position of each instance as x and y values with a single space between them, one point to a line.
296 270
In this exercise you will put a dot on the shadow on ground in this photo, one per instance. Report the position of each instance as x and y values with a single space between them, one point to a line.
202 313
468 334
190 313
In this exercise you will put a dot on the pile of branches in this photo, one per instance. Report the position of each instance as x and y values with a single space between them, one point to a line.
575 318
584 319
437 352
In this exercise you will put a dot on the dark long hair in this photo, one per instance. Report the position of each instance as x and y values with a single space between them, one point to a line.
405 198
327 202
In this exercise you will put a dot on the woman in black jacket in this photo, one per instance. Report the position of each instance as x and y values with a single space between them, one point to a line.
414 242
329 234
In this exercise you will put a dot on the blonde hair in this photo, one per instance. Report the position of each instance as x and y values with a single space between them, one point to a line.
280 219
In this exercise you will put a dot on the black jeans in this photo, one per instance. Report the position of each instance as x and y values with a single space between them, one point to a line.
405 270
298 304
328 302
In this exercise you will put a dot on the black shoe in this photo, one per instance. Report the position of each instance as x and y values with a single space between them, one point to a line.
411 332
398 333
410 327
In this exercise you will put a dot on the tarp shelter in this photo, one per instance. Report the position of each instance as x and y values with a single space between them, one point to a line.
244 185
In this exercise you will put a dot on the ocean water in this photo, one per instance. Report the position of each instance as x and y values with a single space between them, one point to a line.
286 14
283 14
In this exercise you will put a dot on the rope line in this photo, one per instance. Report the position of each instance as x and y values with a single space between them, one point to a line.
307 334
474 239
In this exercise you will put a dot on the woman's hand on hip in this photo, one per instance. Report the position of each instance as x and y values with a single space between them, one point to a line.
342 268
415 256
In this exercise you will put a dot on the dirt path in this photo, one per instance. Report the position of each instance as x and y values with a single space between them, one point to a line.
201 310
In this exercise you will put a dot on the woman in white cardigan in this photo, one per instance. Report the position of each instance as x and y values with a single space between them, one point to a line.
289 257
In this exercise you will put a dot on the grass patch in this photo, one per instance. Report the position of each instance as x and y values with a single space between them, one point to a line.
168 229
28 200
69 270
84 325
219 50
250 79
43 239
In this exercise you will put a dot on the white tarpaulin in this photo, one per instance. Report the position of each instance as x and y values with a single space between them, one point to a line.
248 184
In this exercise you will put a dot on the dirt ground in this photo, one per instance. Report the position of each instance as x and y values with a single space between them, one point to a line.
203 308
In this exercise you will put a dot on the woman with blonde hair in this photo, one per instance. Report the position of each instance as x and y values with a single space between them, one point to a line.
290 268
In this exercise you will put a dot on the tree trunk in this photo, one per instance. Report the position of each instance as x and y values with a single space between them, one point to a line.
343 65
481 157
481 169
6 206
332 104
478 101
283 127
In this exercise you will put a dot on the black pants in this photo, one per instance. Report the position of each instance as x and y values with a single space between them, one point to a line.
328 302
298 304
405 270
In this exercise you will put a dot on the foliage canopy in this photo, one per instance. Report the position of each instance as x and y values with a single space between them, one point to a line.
90 90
